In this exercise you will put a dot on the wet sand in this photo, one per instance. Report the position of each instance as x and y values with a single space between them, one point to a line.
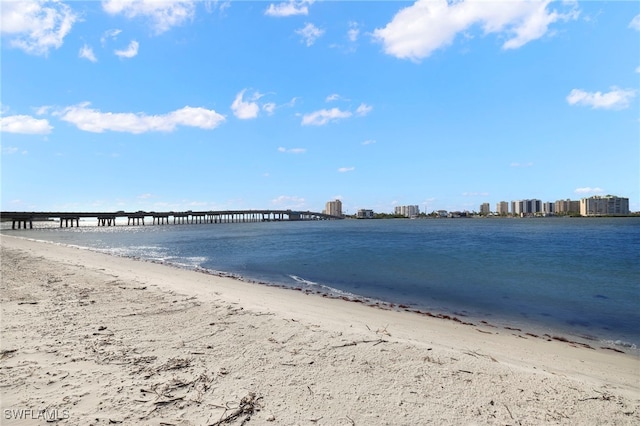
95 339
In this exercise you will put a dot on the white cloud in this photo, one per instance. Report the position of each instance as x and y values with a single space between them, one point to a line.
163 14
415 32
363 110
25 124
246 109
86 52
588 190
269 107
250 108
129 52
43 110
36 26
369 142
615 99
310 33
332 97
324 116
8 150
289 8
289 202
109 34
292 150
638 69
346 169
220 5
292 102
92 120
353 32
635 23
196 117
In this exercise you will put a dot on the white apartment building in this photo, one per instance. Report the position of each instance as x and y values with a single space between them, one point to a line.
604 206
334 208
526 207
365 214
407 211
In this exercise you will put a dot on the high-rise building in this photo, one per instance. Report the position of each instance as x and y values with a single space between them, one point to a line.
526 207
502 208
548 208
334 208
607 205
407 211
567 206
485 209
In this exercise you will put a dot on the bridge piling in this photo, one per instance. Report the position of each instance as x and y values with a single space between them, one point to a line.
198 217
69 220
161 218
22 221
180 218
106 220
135 219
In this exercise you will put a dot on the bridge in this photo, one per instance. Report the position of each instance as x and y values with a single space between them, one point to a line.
69 219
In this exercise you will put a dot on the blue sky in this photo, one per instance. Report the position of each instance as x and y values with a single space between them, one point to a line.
214 105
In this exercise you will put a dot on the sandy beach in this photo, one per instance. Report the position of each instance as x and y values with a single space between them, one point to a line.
88 338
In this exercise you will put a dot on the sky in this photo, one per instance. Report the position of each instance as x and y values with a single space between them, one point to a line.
220 105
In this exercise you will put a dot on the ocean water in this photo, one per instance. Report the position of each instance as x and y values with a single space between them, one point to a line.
571 276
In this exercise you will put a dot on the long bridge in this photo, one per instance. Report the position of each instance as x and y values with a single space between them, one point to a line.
69 219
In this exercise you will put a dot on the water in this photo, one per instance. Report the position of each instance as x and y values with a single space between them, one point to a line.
577 277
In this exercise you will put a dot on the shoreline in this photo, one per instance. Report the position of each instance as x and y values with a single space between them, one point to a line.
524 332
525 328
531 329
305 358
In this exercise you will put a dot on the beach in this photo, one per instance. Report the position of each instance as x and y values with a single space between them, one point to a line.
88 338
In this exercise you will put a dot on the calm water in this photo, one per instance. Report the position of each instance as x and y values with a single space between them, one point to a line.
575 276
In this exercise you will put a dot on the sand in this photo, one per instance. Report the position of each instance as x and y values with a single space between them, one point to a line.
88 338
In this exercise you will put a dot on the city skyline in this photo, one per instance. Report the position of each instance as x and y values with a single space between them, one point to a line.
511 207
194 105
